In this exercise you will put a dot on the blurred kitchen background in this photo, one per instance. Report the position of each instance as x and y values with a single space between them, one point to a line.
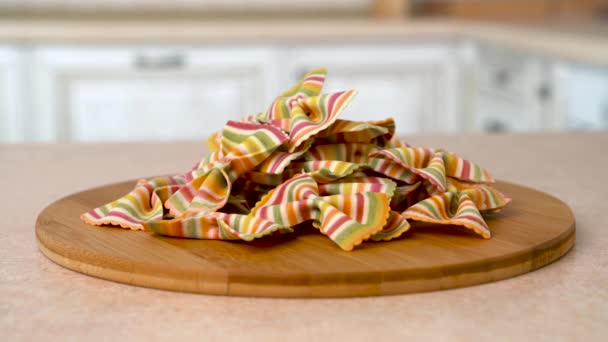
132 70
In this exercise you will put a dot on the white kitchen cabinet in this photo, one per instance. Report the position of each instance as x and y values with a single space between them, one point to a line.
146 93
583 96
11 91
514 91
122 93
414 83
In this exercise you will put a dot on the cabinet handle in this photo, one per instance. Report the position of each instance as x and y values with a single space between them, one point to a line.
159 62
544 93
495 126
502 77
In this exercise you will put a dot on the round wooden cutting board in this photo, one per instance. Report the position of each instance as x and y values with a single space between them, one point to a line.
534 230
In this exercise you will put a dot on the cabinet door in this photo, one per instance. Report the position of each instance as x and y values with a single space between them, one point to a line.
512 92
497 114
413 84
11 83
93 94
582 92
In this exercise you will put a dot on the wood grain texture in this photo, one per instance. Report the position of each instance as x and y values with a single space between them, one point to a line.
535 230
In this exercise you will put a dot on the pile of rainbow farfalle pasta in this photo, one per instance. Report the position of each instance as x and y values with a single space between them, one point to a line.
298 163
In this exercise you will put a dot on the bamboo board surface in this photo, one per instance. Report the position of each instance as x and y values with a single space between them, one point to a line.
534 230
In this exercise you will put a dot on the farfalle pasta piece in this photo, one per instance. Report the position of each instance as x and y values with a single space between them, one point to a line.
279 160
310 85
378 132
401 193
347 219
324 171
243 147
353 184
462 204
281 108
303 112
214 140
236 204
311 115
449 208
424 162
393 143
436 165
394 228
216 226
279 113
391 169
464 170
353 152
144 202
485 197
396 224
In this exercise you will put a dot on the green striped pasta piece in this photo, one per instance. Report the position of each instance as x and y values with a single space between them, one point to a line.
449 208
394 228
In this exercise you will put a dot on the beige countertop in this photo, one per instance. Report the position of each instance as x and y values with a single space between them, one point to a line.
567 300
583 43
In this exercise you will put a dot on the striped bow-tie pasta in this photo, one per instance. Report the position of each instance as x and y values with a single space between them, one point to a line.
279 160
214 141
353 152
464 170
396 224
143 203
236 204
279 114
485 197
309 86
322 171
347 219
449 208
435 165
461 205
378 132
243 147
303 112
313 114
217 226
415 195
391 169
394 143
402 193
358 183
424 162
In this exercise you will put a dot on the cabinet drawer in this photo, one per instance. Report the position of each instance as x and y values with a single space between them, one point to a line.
416 85
504 73
507 80
151 107
91 94
498 115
